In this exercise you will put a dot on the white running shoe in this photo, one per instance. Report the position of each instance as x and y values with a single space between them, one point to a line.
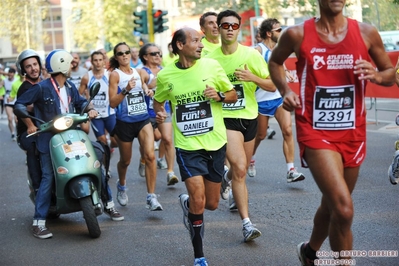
393 171
171 179
232 202
156 146
153 204
250 232
161 163
270 133
183 198
294 176
121 195
141 169
226 185
251 169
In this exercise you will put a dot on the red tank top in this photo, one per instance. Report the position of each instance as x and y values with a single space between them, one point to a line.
331 95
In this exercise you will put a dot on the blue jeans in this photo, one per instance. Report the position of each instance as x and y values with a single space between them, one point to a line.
32 159
43 196
105 186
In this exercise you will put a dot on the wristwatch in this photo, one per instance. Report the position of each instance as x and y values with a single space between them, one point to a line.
221 96
124 92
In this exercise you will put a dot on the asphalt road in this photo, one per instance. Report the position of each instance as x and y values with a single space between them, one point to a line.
283 212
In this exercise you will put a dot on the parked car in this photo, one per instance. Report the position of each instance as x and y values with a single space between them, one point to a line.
390 47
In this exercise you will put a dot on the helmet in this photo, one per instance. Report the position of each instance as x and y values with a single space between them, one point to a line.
25 54
58 61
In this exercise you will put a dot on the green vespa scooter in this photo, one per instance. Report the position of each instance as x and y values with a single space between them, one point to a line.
76 168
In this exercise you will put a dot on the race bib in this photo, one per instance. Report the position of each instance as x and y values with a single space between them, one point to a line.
240 103
100 103
194 119
334 108
135 103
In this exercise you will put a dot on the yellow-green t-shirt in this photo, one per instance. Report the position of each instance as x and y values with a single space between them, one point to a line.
166 59
2 89
246 106
197 121
15 87
209 47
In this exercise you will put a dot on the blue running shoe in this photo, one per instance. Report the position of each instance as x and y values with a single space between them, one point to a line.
200 262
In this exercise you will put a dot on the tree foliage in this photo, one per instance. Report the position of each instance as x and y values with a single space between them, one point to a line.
22 18
201 6
381 14
111 20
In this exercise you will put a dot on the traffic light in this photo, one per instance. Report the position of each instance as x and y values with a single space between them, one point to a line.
141 23
159 20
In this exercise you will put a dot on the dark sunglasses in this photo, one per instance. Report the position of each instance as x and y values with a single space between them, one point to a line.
277 30
155 54
122 53
227 25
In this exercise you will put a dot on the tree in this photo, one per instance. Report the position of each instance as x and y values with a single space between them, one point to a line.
381 14
103 21
21 22
200 7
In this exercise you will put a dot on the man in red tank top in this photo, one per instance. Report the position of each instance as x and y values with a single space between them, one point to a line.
333 67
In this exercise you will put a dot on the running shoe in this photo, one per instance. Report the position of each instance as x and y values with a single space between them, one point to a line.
270 133
171 179
393 171
252 169
114 214
141 169
41 231
183 199
161 163
300 250
121 195
156 146
294 176
153 204
200 262
226 185
232 202
250 232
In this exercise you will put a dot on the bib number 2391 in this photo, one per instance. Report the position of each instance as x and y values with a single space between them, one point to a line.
334 108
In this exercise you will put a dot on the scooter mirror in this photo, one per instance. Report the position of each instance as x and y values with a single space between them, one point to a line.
94 89
20 111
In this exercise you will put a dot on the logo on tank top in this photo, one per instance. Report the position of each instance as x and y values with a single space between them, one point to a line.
333 61
318 62
317 50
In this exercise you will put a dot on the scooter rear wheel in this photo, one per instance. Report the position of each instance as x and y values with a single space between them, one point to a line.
90 216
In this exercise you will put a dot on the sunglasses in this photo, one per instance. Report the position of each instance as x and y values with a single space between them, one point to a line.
123 53
227 25
277 30
155 54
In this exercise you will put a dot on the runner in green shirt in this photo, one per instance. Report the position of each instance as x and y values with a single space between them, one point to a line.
196 89
209 27
246 69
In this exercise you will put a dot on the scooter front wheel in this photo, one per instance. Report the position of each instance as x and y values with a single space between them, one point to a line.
90 216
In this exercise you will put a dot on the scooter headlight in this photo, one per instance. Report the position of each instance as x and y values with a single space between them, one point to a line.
63 123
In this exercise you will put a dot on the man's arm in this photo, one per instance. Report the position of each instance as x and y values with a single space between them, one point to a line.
159 109
397 73
385 73
289 42
83 86
263 83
